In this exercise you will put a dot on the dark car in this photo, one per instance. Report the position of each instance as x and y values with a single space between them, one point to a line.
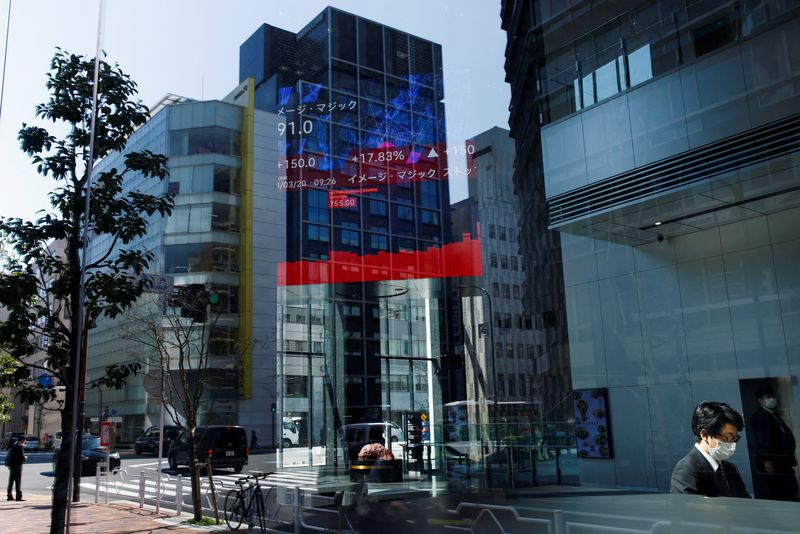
223 446
148 442
10 439
91 454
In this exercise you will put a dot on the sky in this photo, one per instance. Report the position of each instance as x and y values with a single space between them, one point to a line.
191 48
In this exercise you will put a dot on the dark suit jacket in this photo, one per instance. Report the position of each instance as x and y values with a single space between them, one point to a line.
16 457
773 439
693 474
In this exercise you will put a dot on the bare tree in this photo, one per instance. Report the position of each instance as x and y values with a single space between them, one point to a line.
176 338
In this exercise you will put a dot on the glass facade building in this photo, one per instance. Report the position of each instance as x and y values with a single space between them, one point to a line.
363 335
657 137
211 239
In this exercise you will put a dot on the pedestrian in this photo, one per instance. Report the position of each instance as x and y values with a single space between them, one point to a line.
773 450
253 440
705 470
14 460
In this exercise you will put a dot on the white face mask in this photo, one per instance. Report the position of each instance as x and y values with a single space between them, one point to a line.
770 403
722 451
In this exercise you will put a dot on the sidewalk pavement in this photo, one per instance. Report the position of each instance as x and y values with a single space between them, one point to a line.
32 516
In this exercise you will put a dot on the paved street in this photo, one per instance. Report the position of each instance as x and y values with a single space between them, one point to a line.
37 473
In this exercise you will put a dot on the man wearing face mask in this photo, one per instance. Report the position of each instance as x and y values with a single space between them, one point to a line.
773 450
705 470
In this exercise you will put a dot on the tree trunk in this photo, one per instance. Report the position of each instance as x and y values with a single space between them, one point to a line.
197 505
61 483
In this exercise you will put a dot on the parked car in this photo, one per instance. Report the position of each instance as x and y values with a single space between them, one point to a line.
10 439
148 442
31 444
91 454
222 446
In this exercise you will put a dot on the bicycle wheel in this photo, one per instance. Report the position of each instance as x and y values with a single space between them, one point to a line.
234 509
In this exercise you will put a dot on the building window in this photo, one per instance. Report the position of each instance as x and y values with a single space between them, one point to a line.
506 320
493 260
317 205
514 263
503 261
404 244
295 386
492 233
226 179
377 208
209 140
502 233
225 218
495 290
498 321
429 194
405 213
506 291
350 238
379 242
198 257
223 341
512 235
510 350
429 217
515 291
520 351
317 233
528 323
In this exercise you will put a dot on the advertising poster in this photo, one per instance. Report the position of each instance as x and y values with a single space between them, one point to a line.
592 429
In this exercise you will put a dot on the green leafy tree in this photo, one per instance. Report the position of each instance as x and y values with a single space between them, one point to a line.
40 289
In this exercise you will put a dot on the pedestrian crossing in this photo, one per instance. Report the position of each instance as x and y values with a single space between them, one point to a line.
126 485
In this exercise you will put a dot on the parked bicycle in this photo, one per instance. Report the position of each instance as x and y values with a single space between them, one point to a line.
247 500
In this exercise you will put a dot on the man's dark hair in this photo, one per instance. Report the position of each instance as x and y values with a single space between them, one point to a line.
764 391
711 416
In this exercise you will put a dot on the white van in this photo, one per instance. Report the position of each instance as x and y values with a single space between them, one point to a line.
291 435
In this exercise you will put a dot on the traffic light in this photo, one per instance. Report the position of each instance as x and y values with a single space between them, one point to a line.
274 408
193 302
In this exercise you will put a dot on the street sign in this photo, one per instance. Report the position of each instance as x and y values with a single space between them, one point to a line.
105 434
115 419
157 283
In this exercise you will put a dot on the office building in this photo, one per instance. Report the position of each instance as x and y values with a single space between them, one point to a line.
226 234
510 338
661 137
363 297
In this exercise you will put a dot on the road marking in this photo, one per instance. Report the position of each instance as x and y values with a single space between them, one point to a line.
144 465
